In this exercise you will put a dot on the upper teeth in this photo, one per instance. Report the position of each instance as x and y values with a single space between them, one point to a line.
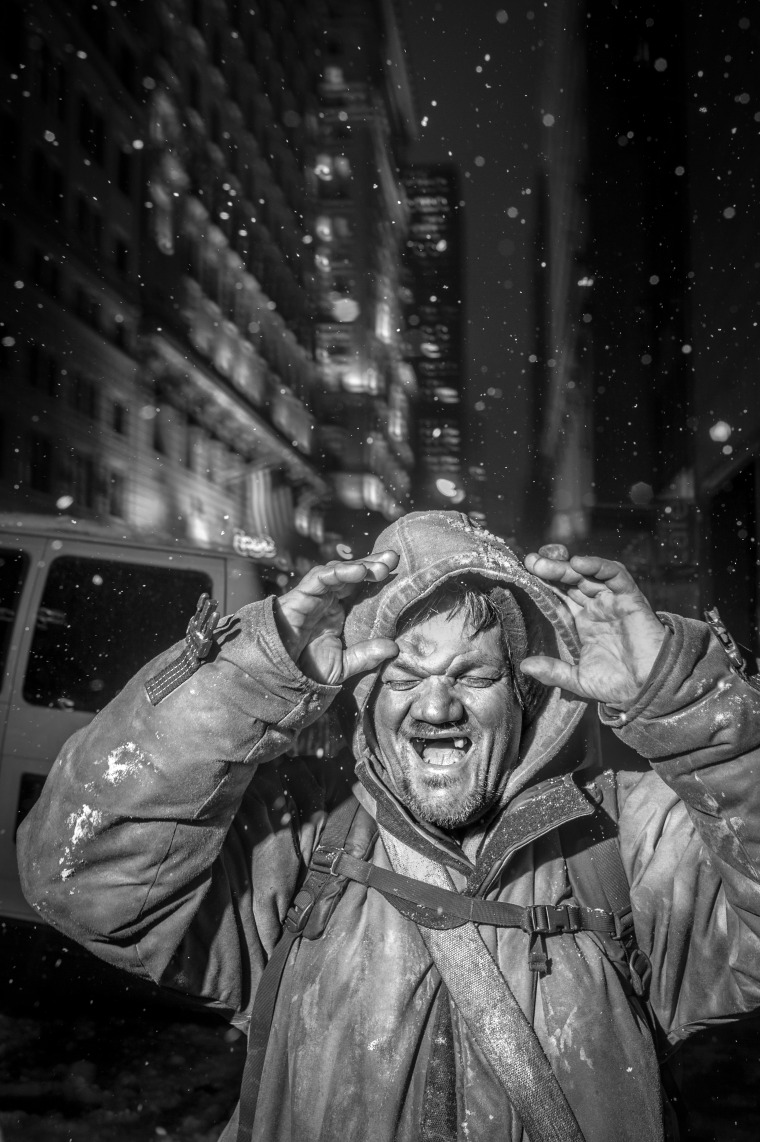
456 743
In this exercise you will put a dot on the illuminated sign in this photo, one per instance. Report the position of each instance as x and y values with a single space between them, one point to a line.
253 546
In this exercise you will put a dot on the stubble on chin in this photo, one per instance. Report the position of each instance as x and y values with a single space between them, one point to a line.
450 812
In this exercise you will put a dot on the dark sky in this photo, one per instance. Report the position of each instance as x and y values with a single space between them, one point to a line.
476 69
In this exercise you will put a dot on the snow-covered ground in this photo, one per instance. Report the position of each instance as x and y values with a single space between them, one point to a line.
119 1079
88 1056
85 1056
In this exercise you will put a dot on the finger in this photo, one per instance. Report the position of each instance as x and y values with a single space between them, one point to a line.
558 571
551 672
613 575
336 578
368 655
585 590
389 557
554 551
375 567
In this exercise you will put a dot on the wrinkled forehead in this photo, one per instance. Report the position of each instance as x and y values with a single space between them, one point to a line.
448 635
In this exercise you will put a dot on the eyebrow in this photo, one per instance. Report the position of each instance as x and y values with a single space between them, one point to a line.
461 667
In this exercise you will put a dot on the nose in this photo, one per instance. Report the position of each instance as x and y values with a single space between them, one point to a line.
436 702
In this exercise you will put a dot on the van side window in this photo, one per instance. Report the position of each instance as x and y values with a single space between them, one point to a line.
13 568
99 621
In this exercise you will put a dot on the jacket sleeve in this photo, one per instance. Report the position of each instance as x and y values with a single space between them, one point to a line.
152 845
690 830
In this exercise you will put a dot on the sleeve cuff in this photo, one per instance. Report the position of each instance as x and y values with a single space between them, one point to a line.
252 643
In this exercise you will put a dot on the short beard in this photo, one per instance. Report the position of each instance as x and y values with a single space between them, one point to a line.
464 812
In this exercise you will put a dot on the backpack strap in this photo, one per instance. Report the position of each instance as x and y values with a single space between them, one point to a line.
491 1012
307 917
444 908
598 878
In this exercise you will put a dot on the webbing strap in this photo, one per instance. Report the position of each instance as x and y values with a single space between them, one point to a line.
493 1016
258 1036
539 919
335 833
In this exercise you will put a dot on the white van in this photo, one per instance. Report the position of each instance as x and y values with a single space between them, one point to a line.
81 609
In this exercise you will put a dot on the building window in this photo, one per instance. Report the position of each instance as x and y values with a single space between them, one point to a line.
7 354
121 256
52 81
115 494
89 222
95 22
124 167
120 333
45 272
83 396
161 432
119 418
40 454
82 479
86 307
217 49
215 126
7 240
127 68
43 372
47 183
194 91
92 130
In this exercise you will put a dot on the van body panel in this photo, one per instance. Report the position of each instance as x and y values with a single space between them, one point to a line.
91 607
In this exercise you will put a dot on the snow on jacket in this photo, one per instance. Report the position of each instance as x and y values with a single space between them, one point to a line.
166 844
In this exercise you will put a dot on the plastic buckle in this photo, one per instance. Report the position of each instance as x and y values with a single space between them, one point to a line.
546 920
326 860
299 911
623 924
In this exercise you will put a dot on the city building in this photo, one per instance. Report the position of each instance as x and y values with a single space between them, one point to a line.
367 387
613 427
227 334
72 128
722 163
435 332
200 234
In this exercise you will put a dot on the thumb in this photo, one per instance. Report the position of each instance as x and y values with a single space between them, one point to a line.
551 672
368 655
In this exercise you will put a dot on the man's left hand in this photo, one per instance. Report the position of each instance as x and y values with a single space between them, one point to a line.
620 634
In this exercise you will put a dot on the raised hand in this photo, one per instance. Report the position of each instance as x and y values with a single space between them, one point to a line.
310 619
620 633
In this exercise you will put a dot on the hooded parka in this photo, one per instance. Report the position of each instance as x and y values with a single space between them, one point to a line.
170 841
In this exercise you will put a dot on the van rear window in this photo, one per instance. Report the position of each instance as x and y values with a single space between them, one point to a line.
14 565
99 621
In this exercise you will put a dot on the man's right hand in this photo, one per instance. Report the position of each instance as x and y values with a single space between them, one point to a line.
310 619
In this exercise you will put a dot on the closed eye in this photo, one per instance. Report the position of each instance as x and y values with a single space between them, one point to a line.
474 681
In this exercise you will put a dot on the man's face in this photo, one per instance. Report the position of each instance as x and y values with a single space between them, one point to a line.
447 721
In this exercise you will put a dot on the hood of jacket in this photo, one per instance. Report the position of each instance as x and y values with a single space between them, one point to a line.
437 546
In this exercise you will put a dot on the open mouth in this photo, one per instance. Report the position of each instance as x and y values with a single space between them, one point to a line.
443 751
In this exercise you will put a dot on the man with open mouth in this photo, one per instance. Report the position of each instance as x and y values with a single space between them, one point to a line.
476 918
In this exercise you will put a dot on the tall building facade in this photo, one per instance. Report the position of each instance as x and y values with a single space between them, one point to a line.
367 387
722 162
163 230
613 363
435 331
73 131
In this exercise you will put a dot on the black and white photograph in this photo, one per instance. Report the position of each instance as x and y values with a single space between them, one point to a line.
379 571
